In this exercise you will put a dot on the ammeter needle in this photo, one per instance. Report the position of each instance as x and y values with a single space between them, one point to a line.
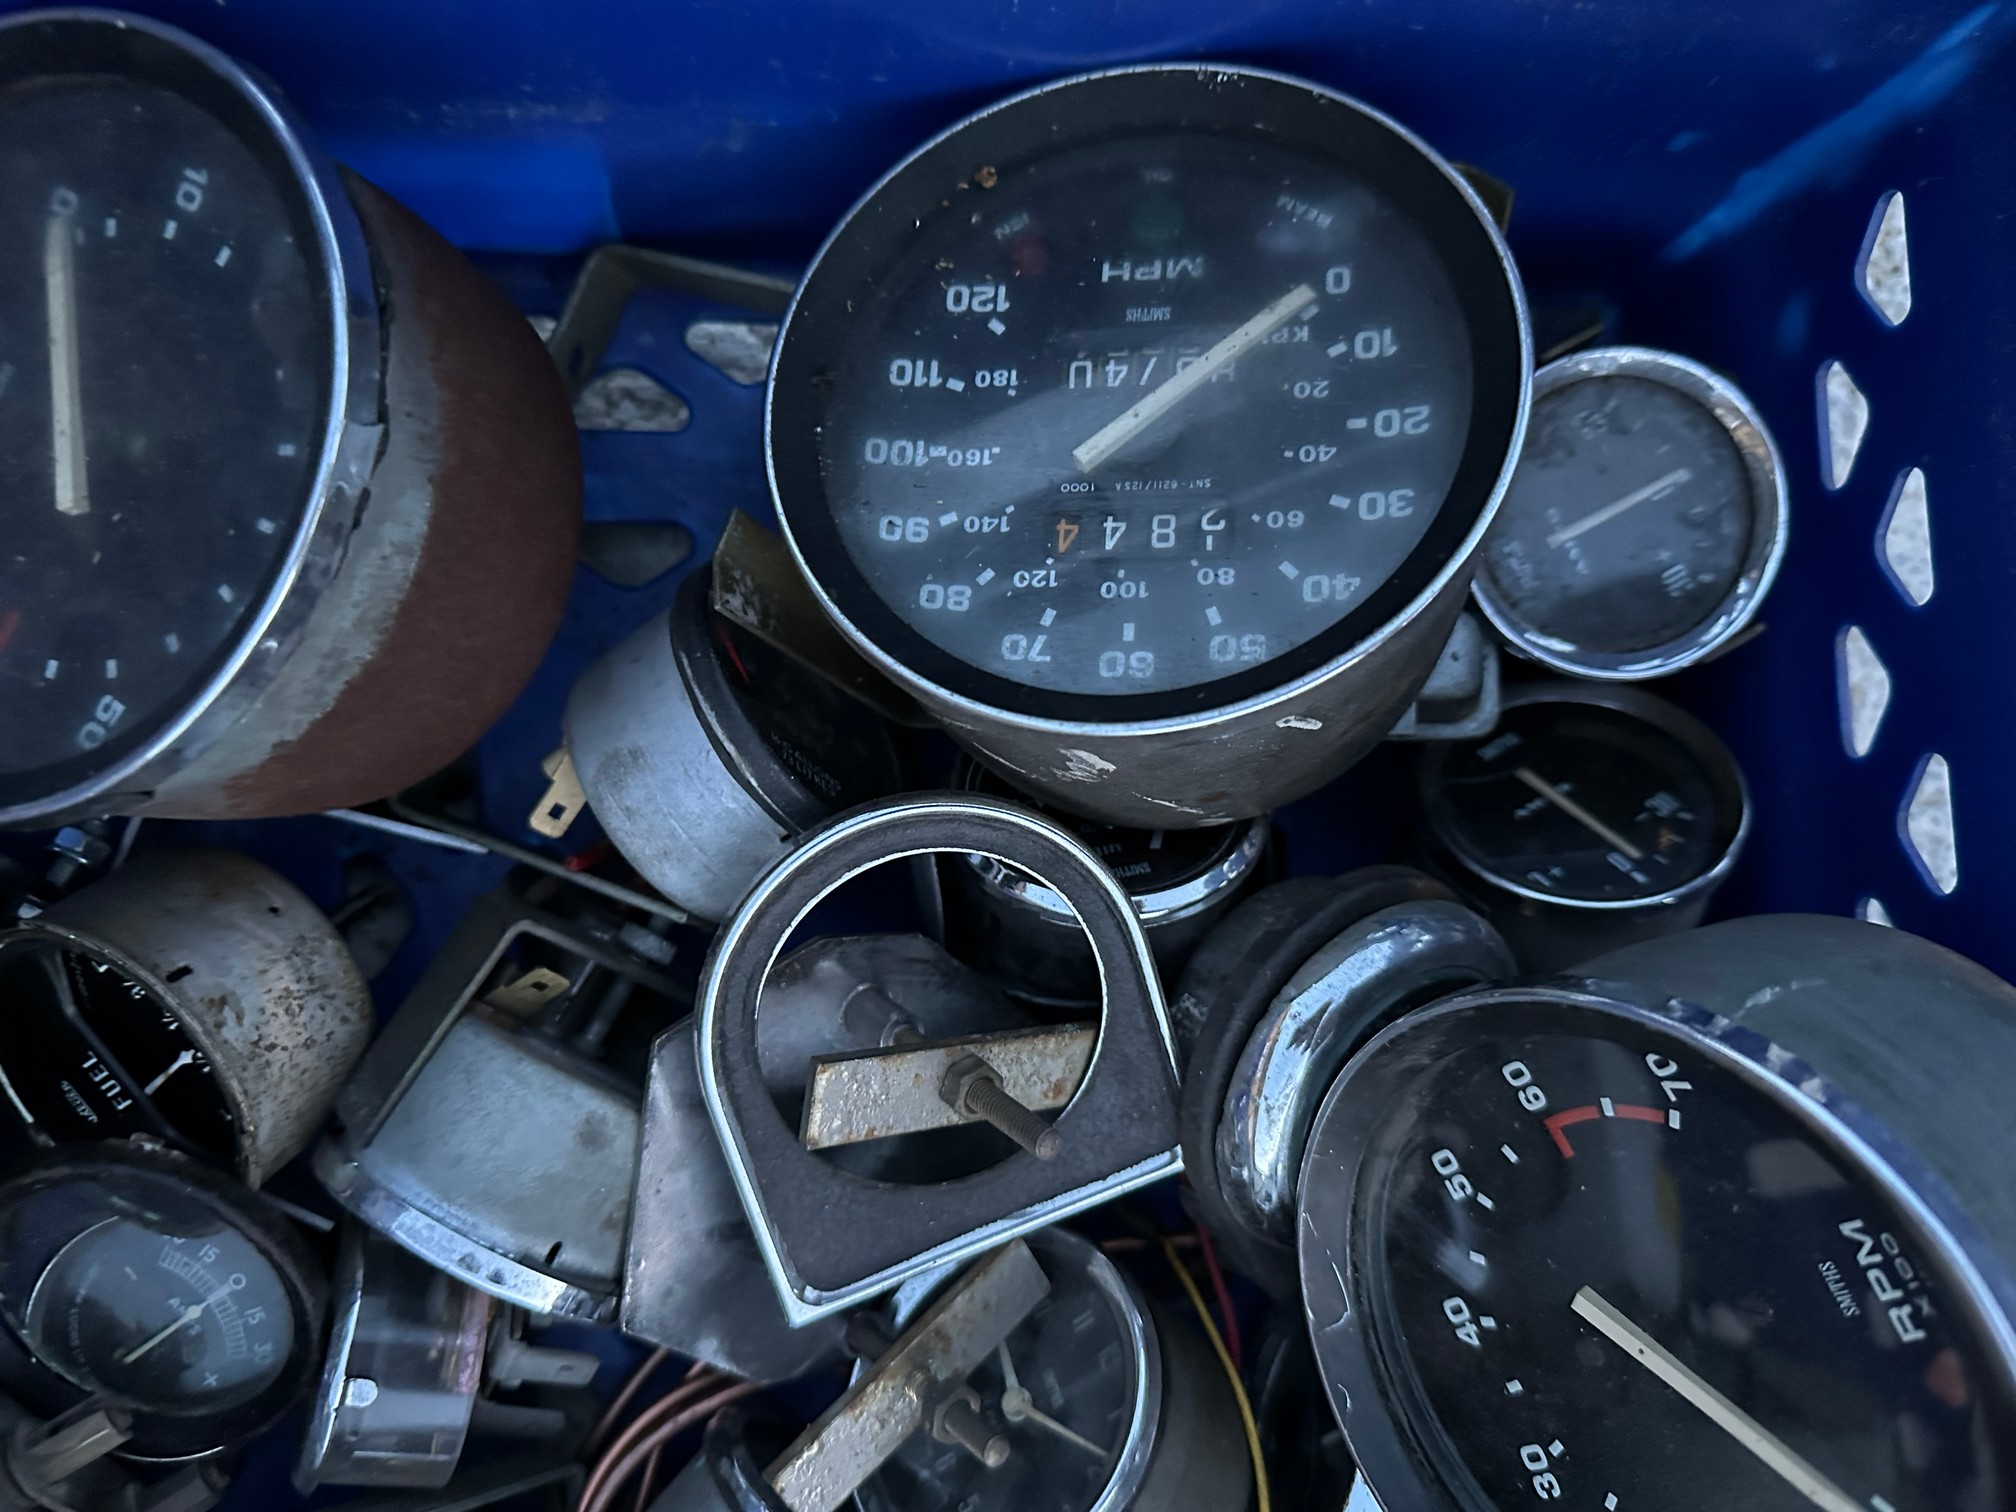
1579 814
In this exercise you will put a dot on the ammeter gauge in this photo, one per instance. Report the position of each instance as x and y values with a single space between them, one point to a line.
135 1276
1719 1221
1645 522
215 349
1143 427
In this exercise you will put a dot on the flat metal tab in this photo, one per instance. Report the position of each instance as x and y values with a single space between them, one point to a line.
895 1396
874 1094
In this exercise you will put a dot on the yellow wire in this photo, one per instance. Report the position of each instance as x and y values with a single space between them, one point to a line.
1265 1504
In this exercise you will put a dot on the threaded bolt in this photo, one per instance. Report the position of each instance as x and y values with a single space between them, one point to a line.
959 1421
974 1088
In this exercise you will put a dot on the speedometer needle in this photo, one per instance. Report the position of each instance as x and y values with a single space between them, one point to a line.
1109 438
66 398
1725 1414
1579 814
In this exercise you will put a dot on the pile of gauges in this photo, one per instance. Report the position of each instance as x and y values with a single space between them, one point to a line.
938 1071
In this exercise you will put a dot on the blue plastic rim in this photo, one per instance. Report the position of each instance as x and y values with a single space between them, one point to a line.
1713 174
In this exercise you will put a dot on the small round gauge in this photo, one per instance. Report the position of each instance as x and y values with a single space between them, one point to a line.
131 1274
196 391
1605 1244
1147 395
1182 882
1591 810
1644 524
1104 1405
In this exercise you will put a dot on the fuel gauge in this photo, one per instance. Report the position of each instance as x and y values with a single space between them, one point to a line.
1593 817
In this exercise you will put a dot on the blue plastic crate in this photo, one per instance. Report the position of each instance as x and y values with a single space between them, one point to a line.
1711 170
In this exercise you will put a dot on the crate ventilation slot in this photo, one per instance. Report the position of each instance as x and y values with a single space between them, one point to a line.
1883 272
1905 537
1865 690
629 399
1844 418
1872 911
1928 824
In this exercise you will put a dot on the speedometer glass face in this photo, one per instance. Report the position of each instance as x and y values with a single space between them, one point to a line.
1609 1273
1145 388
164 375
1149 413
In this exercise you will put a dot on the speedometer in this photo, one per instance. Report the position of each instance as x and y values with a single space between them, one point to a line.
1144 426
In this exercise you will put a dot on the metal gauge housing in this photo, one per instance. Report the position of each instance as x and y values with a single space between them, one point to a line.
195 996
705 751
216 348
1182 882
1593 817
1106 1404
1143 427
1719 1221
136 1276
1645 522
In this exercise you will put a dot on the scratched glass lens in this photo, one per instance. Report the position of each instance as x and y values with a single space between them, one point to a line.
1628 521
1148 414
162 388
1581 801
1616 1278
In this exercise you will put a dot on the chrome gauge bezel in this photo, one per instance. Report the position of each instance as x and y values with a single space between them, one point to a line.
50 44
871 243
1405 1454
1770 521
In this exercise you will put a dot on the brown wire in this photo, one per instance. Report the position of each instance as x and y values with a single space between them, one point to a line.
697 1383
605 1424
648 1481
599 1496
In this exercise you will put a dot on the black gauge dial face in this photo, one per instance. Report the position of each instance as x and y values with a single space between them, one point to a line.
1611 1274
1144 862
179 1323
1062 1387
1628 522
1088 416
96 1055
1585 803
164 367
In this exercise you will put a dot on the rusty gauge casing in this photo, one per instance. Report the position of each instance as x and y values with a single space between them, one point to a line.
195 997
292 490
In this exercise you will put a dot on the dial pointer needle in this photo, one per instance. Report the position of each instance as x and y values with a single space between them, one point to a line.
66 398
1725 1414
1579 814
1109 438
1017 1404
189 1315
1610 512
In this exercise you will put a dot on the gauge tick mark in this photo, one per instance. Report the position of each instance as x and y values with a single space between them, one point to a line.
994 325
1212 615
223 255
1515 1387
1290 571
1509 1153
168 231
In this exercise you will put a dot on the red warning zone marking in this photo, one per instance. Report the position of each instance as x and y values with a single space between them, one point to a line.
1558 1124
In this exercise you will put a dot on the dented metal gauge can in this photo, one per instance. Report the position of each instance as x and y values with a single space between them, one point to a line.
197 997
1023 933
1144 427
296 548
485 1141
705 751
1571 1240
